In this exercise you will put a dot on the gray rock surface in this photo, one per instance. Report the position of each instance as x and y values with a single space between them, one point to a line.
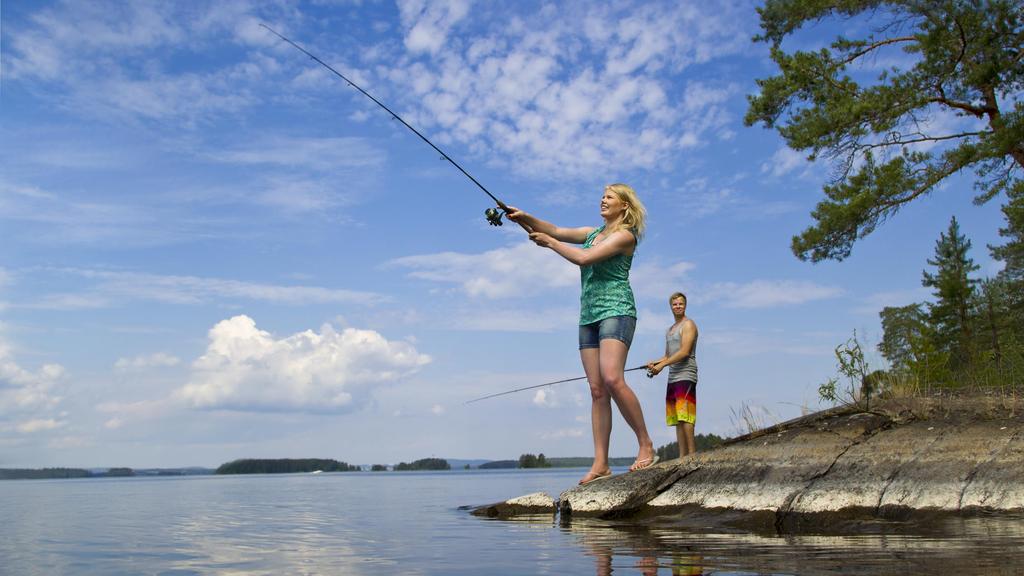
528 504
919 456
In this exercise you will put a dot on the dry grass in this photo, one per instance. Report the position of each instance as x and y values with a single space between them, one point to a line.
750 419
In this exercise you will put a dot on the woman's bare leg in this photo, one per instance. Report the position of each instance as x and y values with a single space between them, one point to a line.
600 412
612 367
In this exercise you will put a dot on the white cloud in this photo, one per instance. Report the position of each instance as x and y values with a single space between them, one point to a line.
37 425
72 220
784 161
245 368
156 360
108 58
652 279
515 320
496 273
568 91
123 413
320 154
69 442
113 287
297 195
704 198
561 433
546 398
428 22
873 303
28 397
770 293
755 341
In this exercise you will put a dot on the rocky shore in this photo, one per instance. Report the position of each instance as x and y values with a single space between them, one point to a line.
903 460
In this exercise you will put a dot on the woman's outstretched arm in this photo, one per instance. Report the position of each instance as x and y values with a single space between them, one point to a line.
619 242
572 235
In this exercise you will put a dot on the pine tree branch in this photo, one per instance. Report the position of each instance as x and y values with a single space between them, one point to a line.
976 111
927 185
875 46
901 142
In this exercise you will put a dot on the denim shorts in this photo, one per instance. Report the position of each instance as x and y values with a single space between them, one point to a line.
617 327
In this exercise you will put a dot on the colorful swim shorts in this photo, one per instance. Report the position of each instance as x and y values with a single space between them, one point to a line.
681 402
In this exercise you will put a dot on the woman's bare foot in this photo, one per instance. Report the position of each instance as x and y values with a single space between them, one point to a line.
645 459
593 476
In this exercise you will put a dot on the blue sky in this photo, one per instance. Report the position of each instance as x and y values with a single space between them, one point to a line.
211 248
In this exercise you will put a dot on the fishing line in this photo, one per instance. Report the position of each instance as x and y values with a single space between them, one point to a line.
546 384
492 215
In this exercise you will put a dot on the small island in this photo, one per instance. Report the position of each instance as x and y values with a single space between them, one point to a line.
424 464
284 466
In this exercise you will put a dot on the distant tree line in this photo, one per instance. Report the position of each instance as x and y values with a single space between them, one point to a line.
703 441
666 452
499 465
424 464
48 473
283 466
44 473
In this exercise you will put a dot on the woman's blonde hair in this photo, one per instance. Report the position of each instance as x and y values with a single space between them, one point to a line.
635 216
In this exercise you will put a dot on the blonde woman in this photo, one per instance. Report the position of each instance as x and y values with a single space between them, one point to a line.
607 313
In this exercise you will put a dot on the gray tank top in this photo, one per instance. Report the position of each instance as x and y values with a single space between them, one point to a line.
685 369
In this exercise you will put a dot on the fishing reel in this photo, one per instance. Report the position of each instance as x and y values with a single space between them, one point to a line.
493 216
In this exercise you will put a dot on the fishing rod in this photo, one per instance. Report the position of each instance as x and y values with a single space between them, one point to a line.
493 215
649 375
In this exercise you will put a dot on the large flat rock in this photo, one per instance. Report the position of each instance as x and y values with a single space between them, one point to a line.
999 483
860 476
768 472
910 459
947 462
619 494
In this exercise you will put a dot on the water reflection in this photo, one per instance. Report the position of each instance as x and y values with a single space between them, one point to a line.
949 546
410 524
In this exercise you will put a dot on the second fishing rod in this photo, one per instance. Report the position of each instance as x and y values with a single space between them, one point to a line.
645 367
493 215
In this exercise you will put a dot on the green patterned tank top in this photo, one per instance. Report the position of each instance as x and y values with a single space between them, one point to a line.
606 290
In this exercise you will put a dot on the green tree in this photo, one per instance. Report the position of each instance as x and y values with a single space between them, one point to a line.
964 58
954 291
531 461
1012 253
902 328
1011 277
992 319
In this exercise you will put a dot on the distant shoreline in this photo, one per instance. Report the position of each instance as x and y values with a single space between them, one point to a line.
66 473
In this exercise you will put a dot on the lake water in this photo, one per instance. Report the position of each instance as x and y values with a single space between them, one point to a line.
410 523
